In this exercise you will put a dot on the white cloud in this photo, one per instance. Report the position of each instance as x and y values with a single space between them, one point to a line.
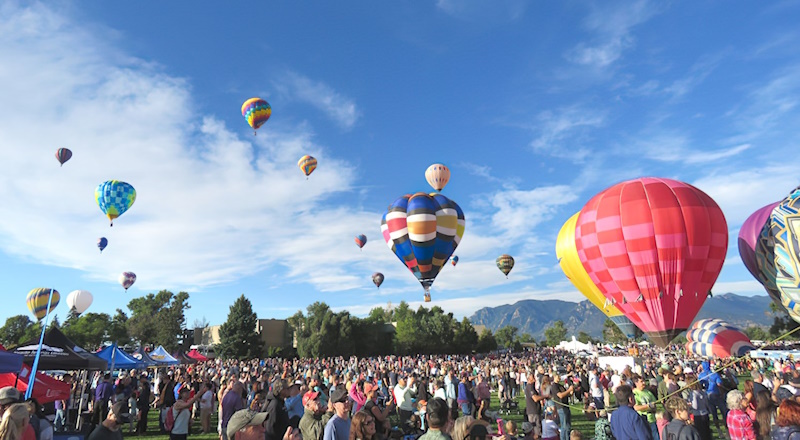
559 133
483 10
612 26
336 106
677 147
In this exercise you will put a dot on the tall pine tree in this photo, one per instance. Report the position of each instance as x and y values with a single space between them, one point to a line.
238 337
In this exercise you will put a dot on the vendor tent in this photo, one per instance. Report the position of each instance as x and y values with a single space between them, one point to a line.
121 360
46 389
161 356
196 355
10 362
59 353
144 358
184 360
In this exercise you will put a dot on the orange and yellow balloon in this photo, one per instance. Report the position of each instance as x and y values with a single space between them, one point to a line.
307 164
256 112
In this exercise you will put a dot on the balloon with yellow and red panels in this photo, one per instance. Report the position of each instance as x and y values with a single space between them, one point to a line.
423 231
716 338
654 247
256 112
307 165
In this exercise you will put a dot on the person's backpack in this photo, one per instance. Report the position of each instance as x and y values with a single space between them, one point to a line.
169 420
727 383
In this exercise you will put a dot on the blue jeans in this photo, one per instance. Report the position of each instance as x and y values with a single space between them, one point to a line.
60 421
717 401
565 419
466 409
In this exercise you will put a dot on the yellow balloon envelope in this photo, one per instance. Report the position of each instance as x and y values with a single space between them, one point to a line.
38 301
571 264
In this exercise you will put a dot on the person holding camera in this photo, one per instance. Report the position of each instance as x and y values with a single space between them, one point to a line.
109 429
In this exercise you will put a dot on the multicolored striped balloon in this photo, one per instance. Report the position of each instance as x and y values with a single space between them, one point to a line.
256 112
114 198
307 164
38 300
361 240
377 279
654 247
437 176
127 279
717 338
63 155
423 230
505 263
784 225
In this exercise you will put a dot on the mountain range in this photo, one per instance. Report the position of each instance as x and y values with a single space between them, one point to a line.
534 316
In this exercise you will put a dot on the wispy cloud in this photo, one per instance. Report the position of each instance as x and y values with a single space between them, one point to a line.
560 132
335 105
612 26
677 147
483 11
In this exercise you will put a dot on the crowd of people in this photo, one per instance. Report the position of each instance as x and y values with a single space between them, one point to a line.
663 396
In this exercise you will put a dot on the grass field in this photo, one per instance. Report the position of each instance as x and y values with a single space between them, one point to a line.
579 422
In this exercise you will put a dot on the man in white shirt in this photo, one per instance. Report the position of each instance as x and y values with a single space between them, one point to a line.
450 384
402 395
596 389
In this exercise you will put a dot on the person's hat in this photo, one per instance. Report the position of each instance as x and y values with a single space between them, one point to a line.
244 418
338 395
298 382
278 385
527 427
8 395
368 387
309 396
169 373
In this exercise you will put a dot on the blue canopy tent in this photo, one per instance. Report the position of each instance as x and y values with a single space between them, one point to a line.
161 356
121 360
142 356
10 362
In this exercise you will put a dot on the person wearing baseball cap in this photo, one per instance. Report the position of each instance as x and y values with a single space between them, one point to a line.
247 421
338 427
275 407
312 424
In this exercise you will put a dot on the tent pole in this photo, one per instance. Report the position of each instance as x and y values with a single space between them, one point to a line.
32 379
80 404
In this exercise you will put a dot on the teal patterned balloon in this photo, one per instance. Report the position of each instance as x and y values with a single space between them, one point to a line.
114 198
785 229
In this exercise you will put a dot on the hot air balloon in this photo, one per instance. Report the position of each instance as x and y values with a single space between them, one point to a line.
63 155
102 242
127 279
114 198
423 230
570 263
256 111
308 164
437 176
79 300
757 250
784 225
377 278
717 338
38 300
361 240
505 263
454 260
654 247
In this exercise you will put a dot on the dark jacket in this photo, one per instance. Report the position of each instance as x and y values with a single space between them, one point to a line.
277 418
678 430
785 432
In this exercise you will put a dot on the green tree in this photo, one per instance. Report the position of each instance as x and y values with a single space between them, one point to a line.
238 337
118 329
486 342
555 333
585 338
465 338
158 319
89 331
781 323
324 333
506 336
612 334
527 337
757 333
16 330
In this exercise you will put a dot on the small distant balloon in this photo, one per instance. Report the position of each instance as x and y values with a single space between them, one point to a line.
454 260
377 278
102 242
437 176
307 164
63 155
361 240
79 300
127 279
505 263
40 302
256 111
114 198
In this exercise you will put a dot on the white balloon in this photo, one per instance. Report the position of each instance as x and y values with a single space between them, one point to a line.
80 300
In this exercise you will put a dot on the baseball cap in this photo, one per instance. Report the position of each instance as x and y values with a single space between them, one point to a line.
311 395
338 395
244 418
527 427
8 395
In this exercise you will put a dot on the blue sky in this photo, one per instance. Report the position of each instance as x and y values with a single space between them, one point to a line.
534 106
